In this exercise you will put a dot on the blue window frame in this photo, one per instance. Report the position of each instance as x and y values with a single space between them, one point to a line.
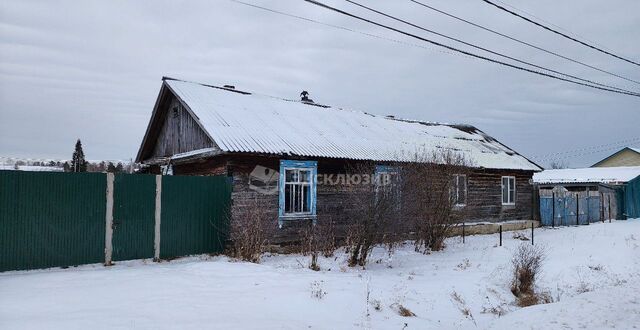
387 181
297 189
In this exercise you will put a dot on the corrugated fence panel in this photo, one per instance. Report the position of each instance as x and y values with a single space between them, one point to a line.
194 215
632 198
51 219
133 216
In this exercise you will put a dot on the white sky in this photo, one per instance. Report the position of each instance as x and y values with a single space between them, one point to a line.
92 69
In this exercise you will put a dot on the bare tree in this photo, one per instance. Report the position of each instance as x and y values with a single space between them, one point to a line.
318 238
433 186
373 216
556 164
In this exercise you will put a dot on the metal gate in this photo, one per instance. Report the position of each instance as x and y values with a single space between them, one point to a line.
194 215
133 216
570 208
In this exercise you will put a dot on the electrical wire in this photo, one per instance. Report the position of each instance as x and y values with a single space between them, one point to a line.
347 29
560 33
455 50
616 144
523 42
576 155
482 48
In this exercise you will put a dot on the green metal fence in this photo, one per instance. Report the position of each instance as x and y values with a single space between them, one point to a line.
62 219
632 198
134 199
51 219
194 213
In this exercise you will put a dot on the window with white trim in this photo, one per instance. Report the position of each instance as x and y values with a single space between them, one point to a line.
459 190
508 190
297 188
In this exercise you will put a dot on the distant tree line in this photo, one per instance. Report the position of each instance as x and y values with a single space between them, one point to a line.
78 163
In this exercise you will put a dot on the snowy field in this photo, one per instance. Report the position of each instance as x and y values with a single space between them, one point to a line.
592 272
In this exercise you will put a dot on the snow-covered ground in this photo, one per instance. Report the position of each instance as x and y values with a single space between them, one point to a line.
592 272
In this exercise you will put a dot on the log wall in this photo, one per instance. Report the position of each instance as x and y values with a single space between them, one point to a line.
484 198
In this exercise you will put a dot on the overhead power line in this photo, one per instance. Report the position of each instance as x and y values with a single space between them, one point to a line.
563 157
454 50
607 146
466 52
347 29
481 48
522 42
560 33
552 24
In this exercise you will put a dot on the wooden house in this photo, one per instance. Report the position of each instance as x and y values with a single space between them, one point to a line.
624 157
276 150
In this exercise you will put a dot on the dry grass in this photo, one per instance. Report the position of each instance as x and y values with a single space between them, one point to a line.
317 291
527 263
405 312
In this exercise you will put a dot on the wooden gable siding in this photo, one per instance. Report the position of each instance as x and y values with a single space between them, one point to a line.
624 157
179 132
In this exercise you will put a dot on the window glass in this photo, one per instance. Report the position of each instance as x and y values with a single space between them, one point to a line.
297 193
459 189
508 190
291 175
505 190
305 176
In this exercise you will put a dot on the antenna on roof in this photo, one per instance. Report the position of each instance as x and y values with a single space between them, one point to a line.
305 97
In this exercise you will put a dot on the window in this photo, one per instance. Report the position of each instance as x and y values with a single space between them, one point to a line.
459 190
508 190
386 177
387 185
297 188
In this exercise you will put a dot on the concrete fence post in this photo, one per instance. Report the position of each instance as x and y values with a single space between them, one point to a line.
156 236
108 233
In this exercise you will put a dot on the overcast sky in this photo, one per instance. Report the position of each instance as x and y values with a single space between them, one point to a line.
92 69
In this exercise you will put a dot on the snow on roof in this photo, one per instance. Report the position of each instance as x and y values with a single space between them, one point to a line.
588 175
203 151
635 149
245 122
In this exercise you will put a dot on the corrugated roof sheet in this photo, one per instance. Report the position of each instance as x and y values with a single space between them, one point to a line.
588 175
244 122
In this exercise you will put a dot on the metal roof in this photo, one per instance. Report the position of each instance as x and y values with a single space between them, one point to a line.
620 174
247 122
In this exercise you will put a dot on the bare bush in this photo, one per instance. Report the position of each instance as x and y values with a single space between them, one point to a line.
318 238
373 218
431 193
527 263
250 232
